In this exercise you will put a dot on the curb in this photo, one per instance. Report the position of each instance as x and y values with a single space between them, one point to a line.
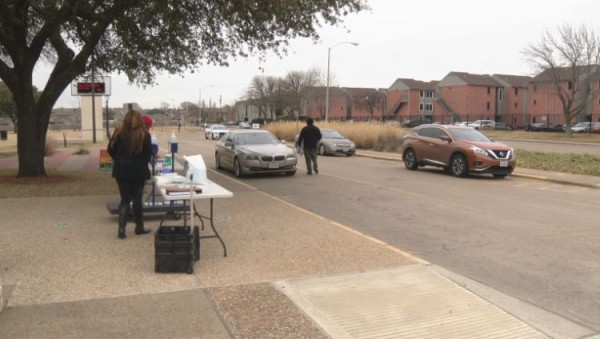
516 174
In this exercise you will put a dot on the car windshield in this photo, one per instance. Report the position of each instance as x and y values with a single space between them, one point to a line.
329 134
218 127
469 134
256 139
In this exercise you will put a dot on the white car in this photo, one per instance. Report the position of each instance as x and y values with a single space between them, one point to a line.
215 131
482 124
244 124
581 127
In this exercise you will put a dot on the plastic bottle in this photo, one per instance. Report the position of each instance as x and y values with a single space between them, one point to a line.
173 143
154 141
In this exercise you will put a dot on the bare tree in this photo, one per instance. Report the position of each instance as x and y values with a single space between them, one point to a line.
569 63
295 82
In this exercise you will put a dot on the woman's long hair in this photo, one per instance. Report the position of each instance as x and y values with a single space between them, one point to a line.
133 131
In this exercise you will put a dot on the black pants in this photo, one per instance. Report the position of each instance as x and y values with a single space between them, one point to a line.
131 190
310 156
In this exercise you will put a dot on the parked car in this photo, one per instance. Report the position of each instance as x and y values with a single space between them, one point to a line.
333 142
544 127
579 127
584 126
459 150
482 124
215 131
502 126
415 122
244 124
253 151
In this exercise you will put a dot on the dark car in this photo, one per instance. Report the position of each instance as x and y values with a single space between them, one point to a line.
415 122
544 127
459 150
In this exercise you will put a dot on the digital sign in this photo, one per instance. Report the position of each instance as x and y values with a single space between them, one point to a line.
86 88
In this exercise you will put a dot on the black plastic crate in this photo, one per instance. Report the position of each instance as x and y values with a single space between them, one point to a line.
174 263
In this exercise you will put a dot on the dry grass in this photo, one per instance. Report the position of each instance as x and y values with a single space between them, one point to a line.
377 136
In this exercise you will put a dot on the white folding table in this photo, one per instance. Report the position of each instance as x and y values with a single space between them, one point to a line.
210 191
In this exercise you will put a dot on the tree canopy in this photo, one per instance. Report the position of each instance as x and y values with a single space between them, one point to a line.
140 39
569 62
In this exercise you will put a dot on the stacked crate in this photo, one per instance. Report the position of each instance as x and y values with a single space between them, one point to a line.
176 248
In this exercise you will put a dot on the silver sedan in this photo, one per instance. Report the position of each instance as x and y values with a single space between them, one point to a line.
254 151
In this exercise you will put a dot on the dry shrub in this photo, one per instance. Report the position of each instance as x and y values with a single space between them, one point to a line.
51 146
375 136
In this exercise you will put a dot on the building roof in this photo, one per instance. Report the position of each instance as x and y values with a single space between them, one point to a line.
405 83
566 73
513 80
465 78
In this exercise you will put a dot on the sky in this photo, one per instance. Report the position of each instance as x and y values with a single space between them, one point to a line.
422 40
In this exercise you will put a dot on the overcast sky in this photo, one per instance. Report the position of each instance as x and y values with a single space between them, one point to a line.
423 40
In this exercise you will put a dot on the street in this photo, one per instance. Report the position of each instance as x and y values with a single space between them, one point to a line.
532 240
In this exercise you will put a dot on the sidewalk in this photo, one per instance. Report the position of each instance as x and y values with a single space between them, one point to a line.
289 274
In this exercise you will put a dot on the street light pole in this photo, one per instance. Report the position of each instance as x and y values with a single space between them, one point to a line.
328 63
200 100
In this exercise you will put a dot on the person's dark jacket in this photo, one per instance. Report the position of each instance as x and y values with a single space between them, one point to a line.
309 136
134 166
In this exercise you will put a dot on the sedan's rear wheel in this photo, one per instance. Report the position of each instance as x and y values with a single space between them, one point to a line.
458 165
410 159
218 161
237 168
322 150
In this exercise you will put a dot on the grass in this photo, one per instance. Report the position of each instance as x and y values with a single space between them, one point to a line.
57 183
559 162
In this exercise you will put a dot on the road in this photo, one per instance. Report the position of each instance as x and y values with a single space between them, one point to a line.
532 240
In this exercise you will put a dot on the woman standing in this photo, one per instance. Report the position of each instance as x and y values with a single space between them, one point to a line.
131 149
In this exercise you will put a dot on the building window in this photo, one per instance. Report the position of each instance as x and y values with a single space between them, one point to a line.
515 105
500 94
421 94
488 105
420 107
516 91
570 85
534 102
428 107
489 90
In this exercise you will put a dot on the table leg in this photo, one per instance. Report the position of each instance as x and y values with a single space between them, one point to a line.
212 225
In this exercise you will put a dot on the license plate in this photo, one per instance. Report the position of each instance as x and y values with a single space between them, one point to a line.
273 165
503 163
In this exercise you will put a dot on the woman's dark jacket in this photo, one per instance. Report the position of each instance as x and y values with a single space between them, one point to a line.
130 166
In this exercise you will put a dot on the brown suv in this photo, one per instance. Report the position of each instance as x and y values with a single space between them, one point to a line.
459 150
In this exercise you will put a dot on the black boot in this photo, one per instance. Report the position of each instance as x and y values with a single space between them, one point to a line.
123 211
139 221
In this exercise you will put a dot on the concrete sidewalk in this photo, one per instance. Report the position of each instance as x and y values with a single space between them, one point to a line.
289 274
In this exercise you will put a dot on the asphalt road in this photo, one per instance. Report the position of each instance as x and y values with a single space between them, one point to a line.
533 240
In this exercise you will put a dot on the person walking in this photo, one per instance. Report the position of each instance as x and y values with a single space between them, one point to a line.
308 139
130 148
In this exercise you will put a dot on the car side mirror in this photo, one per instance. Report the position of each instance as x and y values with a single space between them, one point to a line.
446 138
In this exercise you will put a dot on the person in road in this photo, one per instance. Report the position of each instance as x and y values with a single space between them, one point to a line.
308 139
131 149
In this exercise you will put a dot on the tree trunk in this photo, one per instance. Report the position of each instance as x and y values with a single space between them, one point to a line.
31 140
